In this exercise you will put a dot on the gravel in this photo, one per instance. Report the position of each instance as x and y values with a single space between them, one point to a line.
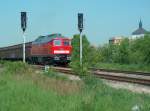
129 86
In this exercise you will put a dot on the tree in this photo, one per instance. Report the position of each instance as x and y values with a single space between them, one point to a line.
112 53
123 54
140 51
75 61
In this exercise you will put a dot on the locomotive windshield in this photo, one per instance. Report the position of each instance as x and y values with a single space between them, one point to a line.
57 42
66 42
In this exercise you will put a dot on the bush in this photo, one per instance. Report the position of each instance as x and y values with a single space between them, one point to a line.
128 52
54 74
75 61
16 67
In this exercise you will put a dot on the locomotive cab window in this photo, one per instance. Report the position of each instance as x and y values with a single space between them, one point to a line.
57 42
66 43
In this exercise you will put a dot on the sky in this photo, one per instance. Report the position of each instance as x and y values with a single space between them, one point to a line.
103 19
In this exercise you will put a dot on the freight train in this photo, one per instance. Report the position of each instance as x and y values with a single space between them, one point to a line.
48 49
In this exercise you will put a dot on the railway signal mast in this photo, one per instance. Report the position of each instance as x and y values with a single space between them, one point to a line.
80 27
23 26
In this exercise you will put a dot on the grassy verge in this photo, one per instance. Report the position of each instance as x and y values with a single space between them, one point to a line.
125 67
35 91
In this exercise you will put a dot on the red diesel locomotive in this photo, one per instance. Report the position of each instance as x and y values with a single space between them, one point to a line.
48 49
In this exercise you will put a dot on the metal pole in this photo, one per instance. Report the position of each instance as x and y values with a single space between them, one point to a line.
80 48
24 50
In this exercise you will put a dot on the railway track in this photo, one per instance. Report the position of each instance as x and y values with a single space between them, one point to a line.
119 71
123 77
138 78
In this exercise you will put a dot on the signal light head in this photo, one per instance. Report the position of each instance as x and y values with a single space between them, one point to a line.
80 22
23 21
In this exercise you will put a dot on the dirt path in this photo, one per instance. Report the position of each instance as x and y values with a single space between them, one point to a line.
129 86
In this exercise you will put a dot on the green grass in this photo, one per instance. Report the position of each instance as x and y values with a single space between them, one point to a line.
52 73
31 91
125 67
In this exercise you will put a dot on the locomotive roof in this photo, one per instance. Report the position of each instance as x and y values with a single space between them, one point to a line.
47 38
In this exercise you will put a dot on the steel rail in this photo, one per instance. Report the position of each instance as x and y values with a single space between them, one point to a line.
123 78
110 76
120 71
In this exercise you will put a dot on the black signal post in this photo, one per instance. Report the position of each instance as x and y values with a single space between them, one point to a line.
23 26
23 21
80 28
80 22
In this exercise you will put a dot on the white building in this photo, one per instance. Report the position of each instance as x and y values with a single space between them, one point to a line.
116 40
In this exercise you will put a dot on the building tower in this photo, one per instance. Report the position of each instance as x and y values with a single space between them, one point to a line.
140 32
